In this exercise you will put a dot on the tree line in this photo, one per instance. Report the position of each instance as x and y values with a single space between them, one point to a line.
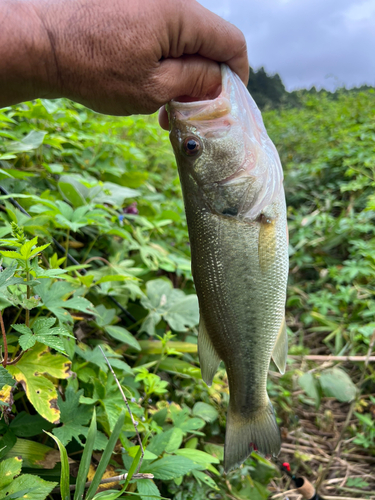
269 92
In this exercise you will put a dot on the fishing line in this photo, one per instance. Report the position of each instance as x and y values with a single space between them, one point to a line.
69 257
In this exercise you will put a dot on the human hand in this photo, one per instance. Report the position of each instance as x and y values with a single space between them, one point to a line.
131 56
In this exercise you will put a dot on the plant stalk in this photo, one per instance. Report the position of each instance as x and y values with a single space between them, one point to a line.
107 480
129 410
5 360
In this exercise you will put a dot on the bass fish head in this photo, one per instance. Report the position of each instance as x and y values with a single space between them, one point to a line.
222 145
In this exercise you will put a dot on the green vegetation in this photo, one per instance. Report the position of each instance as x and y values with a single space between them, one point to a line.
106 189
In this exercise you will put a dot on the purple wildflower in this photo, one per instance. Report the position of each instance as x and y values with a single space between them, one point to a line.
131 209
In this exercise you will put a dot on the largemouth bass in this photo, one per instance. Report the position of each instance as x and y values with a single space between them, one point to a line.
232 183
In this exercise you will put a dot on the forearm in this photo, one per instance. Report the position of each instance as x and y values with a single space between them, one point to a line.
115 56
26 68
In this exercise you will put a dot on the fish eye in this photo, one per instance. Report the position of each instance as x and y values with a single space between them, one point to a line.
191 146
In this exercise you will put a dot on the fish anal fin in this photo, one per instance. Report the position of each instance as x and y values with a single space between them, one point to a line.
280 350
208 357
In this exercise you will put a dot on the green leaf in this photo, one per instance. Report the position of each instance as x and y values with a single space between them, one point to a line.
123 335
27 341
105 457
40 390
51 341
253 490
6 276
175 440
192 443
113 194
157 347
159 442
336 383
31 141
74 416
147 489
25 249
53 296
198 457
64 479
9 469
310 385
20 328
73 191
84 465
107 495
180 311
205 411
357 482
134 466
25 425
42 325
170 467
7 443
34 455
180 367
96 357
215 450
105 316
5 378
133 451
24 485
192 425
201 476
10 254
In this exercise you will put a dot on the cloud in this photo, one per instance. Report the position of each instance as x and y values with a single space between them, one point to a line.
326 43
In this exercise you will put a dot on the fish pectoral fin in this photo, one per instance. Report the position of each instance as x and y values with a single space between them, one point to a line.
267 243
280 350
208 357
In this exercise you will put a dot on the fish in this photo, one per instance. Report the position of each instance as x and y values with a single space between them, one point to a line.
232 185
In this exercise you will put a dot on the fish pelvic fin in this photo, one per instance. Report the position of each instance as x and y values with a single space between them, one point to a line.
208 357
258 431
280 350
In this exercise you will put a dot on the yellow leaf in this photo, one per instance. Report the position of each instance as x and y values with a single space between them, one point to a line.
6 394
39 389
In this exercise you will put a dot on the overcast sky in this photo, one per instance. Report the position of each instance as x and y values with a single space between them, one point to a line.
308 42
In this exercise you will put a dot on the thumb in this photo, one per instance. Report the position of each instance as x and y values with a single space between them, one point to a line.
189 78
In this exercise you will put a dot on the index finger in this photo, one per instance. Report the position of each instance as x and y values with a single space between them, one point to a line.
205 33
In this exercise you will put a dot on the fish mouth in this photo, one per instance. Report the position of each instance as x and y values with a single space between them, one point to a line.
200 113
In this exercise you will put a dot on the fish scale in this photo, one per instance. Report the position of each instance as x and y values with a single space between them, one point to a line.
231 180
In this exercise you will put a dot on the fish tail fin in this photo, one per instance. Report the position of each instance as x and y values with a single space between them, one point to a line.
258 431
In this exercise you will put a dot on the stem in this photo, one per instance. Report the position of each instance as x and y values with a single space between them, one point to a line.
5 360
28 294
15 360
129 410
35 317
67 247
161 358
89 249
107 480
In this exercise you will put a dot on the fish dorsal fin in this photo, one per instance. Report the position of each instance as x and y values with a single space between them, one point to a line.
280 350
208 357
